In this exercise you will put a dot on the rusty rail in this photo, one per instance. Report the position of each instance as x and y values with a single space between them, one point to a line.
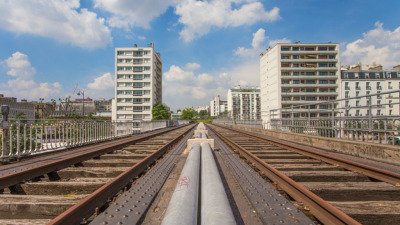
90 204
367 170
18 172
321 209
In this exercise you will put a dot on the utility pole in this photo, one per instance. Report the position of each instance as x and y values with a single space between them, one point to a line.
4 126
83 101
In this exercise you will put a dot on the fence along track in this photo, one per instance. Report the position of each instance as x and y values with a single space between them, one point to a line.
77 182
15 173
355 194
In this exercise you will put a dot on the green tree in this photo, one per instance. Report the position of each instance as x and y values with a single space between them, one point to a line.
160 112
203 114
187 114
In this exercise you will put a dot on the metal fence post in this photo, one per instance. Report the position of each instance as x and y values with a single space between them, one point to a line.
5 110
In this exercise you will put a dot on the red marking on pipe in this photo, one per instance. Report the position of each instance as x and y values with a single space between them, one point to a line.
183 183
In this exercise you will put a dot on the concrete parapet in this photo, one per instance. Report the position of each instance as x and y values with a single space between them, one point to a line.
200 136
379 152
193 141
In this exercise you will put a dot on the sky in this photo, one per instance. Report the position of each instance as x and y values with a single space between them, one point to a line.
52 49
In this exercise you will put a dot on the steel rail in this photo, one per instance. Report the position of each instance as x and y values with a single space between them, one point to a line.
367 170
321 209
19 172
87 207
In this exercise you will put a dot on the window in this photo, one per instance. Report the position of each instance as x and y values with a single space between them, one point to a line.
286 48
346 94
390 85
145 76
357 93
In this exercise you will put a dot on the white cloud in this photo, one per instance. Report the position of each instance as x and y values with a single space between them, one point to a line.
192 66
182 87
22 84
377 46
175 73
276 41
258 44
19 66
61 20
102 82
129 13
200 88
199 17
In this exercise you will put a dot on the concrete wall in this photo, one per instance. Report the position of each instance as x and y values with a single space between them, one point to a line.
379 152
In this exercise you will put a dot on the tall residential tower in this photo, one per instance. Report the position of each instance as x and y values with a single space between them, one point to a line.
298 73
244 103
138 73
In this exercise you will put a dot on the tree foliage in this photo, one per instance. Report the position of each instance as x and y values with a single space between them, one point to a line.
188 114
160 112
203 114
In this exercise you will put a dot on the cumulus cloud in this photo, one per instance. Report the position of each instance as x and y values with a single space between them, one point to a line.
129 13
176 73
22 83
199 17
183 87
19 66
102 86
376 46
102 82
192 66
61 20
258 44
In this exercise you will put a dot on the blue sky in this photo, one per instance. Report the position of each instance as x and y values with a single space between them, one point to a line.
49 47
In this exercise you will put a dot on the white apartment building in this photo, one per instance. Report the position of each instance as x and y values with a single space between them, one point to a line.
298 73
138 77
357 82
244 103
217 106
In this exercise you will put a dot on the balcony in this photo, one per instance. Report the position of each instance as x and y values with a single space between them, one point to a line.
309 77
309 93
309 85
309 60
308 68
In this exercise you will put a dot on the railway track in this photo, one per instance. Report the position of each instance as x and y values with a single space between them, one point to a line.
334 189
79 182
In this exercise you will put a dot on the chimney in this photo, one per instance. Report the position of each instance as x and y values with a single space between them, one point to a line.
355 68
376 68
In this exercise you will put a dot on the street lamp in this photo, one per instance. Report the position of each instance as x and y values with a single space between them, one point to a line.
83 101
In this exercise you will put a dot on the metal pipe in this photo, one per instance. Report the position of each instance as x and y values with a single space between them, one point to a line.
215 207
183 207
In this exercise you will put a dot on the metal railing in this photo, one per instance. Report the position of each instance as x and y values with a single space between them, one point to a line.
249 123
373 118
24 138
